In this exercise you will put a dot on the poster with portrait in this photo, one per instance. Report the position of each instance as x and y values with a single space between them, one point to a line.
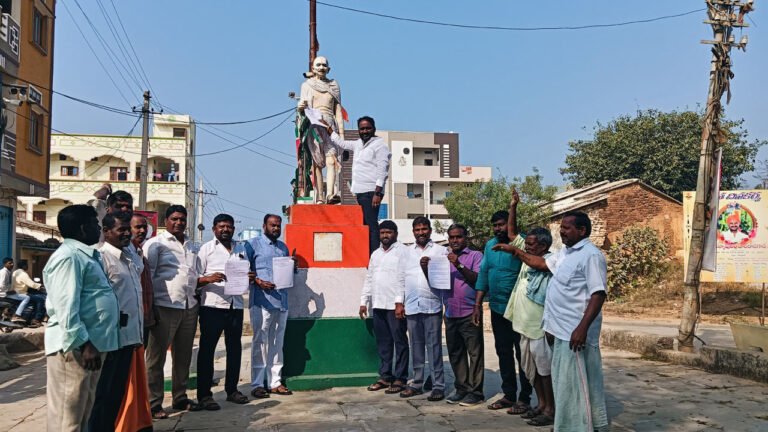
151 222
742 236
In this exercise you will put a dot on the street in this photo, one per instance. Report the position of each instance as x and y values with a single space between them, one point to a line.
642 396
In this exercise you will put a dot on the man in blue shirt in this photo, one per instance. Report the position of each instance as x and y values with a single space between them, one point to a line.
497 277
269 312
83 320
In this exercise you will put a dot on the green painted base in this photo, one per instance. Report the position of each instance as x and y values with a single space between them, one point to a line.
191 383
322 353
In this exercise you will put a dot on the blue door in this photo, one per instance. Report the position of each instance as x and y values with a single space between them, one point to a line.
6 232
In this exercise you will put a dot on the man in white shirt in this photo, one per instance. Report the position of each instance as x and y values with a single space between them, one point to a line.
384 290
219 312
120 266
573 317
24 285
172 262
370 169
734 235
6 290
423 311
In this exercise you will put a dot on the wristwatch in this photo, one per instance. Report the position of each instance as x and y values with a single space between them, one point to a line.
460 266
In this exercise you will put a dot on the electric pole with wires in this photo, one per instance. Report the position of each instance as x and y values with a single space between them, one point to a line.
314 45
197 235
723 16
144 153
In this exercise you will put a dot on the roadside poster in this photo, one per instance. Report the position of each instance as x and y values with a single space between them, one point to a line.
742 236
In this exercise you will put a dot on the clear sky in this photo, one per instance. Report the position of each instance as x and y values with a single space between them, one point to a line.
516 98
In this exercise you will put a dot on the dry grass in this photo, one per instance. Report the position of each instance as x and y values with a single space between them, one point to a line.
721 302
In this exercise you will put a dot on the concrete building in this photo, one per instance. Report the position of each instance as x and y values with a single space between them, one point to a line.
81 164
26 75
615 206
424 168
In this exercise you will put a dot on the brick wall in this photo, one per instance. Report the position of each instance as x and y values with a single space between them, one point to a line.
632 205
635 205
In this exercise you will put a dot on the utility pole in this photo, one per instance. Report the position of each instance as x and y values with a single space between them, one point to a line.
144 153
723 17
199 210
199 205
314 45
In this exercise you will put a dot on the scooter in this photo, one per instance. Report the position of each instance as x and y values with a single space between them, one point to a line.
8 306
6 325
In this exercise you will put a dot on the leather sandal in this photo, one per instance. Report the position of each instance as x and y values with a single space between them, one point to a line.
410 392
281 390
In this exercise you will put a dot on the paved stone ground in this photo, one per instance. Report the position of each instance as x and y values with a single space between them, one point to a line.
641 396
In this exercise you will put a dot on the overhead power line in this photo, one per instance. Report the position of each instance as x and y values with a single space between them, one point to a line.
243 206
133 50
244 144
98 59
501 28
110 53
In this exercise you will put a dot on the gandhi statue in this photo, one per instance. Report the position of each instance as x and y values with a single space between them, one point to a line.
323 94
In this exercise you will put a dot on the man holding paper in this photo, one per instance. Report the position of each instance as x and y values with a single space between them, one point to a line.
269 310
384 291
224 266
463 337
424 307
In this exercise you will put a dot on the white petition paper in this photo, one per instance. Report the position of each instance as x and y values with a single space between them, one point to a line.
313 116
237 277
439 270
282 272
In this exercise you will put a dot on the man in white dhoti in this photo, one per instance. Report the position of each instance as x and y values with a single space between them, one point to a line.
572 319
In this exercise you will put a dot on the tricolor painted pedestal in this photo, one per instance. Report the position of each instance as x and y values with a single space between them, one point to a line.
326 343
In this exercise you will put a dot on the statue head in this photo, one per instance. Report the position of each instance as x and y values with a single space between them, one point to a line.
320 67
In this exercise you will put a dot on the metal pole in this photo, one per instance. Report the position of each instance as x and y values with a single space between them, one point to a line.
314 46
199 210
144 153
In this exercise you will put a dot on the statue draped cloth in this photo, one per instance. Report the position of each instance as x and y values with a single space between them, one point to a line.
313 144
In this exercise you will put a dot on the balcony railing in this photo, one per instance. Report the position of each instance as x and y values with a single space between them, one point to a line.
64 188
10 33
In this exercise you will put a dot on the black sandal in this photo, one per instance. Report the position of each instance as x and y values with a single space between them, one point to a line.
158 413
396 387
501 404
378 385
187 405
530 414
541 420
260 393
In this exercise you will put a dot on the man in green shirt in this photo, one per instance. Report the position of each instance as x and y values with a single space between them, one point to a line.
83 320
497 277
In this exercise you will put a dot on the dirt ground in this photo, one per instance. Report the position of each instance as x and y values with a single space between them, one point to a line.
721 304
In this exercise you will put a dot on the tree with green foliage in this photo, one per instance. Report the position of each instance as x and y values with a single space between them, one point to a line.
473 204
660 148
